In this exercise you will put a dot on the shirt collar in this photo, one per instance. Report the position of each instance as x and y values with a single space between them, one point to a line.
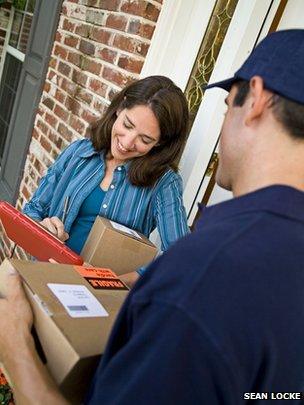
278 199
90 151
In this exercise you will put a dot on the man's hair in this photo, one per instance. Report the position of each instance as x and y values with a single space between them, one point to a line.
289 113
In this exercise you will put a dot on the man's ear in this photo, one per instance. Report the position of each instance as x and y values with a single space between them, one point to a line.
259 99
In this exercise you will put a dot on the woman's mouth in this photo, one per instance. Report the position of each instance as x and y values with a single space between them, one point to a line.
121 149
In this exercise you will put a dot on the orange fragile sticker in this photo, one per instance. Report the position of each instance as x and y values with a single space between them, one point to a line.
100 278
96 272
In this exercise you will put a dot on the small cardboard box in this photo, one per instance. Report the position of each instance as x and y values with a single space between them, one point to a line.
117 247
61 296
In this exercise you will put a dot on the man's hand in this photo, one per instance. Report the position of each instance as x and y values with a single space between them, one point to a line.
16 316
55 226
28 377
129 278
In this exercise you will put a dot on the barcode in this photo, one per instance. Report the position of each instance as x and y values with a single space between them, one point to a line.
77 308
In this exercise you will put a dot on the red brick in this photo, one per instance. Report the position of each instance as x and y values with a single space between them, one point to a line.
48 102
98 87
46 87
60 51
124 43
73 105
61 113
134 7
53 62
151 12
111 5
42 126
45 144
26 193
75 58
64 68
58 37
116 77
68 25
130 45
130 64
60 96
77 125
69 87
141 8
83 30
38 166
51 120
88 116
100 35
82 95
143 30
142 49
79 77
65 132
106 54
117 22
91 66
71 41
51 74
35 134
87 47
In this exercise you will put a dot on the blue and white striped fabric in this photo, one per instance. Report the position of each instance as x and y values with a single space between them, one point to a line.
79 169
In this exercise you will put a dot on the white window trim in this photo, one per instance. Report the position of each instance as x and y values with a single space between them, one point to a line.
173 50
181 23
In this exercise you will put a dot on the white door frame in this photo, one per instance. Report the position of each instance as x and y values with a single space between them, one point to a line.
173 51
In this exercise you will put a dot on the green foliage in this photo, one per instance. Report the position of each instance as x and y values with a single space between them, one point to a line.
5 395
19 4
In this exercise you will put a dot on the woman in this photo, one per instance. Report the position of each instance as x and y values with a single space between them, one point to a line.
126 172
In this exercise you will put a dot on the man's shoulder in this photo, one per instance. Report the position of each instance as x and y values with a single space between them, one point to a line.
238 250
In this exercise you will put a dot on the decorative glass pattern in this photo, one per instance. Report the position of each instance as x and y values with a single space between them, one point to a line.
208 53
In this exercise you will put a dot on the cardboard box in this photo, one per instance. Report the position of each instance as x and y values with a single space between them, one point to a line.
113 245
71 345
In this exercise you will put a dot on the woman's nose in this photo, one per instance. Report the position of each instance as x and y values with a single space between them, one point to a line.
129 141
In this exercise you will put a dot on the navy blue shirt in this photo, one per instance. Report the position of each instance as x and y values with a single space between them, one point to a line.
218 315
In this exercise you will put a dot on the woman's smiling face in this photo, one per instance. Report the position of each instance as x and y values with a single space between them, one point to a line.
134 133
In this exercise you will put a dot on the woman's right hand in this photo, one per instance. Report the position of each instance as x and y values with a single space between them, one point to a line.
55 226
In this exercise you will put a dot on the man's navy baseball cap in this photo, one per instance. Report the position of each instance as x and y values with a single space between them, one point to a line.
279 60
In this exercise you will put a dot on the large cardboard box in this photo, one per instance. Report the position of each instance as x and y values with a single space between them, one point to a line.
71 327
113 245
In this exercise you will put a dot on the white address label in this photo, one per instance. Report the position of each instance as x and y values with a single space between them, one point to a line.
78 301
123 228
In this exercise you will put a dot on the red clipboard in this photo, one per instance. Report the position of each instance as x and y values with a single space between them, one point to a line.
33 238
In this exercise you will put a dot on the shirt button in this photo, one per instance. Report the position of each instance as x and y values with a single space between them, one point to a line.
112 186
119 168
104 206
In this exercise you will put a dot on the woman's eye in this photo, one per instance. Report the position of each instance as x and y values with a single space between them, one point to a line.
126 125
146 141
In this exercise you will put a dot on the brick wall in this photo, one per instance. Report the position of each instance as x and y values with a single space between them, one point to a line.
4 18
100 46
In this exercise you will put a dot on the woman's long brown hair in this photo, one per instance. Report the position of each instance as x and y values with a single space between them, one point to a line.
169 105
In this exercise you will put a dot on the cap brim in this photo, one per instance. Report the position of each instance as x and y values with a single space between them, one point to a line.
224 84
